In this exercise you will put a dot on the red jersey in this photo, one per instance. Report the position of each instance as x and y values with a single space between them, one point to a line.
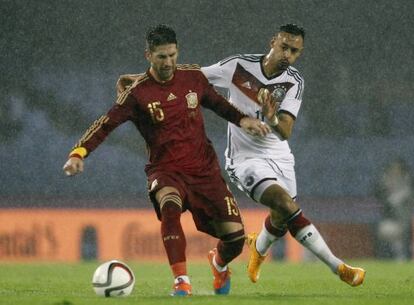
169 118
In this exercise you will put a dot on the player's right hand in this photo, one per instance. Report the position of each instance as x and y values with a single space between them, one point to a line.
73 166
270 105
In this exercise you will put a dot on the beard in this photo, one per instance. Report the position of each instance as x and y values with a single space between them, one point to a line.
282 65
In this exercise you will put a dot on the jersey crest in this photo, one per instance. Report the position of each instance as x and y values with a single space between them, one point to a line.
192 100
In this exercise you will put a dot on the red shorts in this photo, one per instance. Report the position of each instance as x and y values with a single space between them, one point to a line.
207 198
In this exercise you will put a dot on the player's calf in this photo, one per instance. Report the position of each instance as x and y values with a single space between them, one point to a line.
221 274
227 249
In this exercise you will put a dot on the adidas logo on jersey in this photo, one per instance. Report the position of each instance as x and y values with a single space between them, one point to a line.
171 97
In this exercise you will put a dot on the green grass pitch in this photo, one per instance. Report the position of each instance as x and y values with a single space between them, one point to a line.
387 283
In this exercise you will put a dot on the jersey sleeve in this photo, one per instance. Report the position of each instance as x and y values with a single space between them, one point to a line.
119 113
293 99
220 74
212 100
125 81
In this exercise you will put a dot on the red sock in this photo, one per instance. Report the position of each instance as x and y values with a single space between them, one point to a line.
179 269
276 231
229 250
296 222
173 237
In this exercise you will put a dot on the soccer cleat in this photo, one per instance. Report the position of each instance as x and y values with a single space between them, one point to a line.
181 288
255 259
221 282
351 275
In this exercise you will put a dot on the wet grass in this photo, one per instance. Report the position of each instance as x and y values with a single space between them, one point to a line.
280 283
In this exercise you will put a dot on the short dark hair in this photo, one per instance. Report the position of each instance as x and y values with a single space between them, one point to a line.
160 34
292 28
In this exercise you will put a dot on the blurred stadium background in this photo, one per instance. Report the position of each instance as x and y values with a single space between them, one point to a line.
59 64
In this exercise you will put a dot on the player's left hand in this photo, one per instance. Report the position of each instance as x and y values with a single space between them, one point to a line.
254 127
269 104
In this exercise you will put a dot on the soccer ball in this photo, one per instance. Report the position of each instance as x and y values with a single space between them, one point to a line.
113 279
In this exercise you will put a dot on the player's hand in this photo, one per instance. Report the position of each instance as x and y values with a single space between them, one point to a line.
73 166
269 104
254 127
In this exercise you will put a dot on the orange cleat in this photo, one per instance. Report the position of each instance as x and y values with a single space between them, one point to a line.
351 275
255 259
181 288
221 282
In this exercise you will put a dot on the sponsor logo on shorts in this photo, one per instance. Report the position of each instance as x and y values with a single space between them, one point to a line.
249 181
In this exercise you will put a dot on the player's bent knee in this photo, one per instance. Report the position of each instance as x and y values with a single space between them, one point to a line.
277 218
233 248
233 236
167 190
228 231
170 201
277 199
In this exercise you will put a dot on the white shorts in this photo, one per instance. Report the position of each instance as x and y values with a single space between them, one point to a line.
253 176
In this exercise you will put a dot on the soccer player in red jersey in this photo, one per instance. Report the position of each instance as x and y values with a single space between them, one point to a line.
183 170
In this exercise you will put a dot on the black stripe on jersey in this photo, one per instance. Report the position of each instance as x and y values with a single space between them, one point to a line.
251 194
251 58
228 141
299 79
243 56
295 72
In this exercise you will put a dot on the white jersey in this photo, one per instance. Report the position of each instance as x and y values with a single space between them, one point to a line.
243 76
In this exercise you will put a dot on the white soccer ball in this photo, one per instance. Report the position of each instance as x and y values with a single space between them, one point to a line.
113 279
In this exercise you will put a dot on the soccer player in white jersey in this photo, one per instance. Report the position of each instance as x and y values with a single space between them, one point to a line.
268 87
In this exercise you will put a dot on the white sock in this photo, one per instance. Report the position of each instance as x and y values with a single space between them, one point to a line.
219 268
182 278
310 238
264 241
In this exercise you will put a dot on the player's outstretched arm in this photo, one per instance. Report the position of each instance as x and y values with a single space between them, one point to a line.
254 127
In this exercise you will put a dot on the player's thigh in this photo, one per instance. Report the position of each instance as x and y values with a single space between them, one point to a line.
214 208
253 176
162 185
